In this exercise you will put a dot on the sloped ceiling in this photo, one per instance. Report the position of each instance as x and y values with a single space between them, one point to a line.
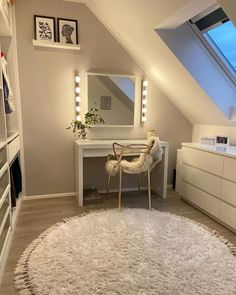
132 23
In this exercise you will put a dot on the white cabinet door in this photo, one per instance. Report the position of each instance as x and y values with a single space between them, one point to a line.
204 160
203 180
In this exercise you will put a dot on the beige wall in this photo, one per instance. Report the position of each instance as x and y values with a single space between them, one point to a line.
211 131
47 92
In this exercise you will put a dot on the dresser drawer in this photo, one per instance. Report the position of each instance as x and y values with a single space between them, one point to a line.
3 157
229 170
206 161
228 215
201 199
228 193
203 180
13 148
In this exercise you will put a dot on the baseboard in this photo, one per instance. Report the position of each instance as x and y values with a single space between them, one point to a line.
49 196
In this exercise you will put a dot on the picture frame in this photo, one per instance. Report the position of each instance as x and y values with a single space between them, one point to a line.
222 140
67 31
45 28
105 102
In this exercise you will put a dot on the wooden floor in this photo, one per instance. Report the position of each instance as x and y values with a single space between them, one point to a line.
38 215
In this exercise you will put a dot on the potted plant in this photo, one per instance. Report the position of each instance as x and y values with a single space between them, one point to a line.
92 117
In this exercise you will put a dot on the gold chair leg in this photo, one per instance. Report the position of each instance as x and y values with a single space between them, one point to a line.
149 191
108 185
120 185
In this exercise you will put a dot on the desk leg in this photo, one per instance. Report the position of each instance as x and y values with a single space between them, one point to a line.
79 176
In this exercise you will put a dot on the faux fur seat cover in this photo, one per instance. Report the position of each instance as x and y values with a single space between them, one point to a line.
140 164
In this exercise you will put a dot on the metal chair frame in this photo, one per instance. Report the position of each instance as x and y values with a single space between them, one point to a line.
121 151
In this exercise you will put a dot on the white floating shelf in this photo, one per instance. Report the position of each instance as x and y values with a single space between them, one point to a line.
55 45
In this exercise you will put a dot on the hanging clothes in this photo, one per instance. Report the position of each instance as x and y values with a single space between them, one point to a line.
16 180
8 95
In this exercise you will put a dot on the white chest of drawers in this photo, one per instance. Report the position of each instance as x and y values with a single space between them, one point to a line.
206 177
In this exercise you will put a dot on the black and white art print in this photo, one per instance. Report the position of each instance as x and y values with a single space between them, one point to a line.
44 28
67 31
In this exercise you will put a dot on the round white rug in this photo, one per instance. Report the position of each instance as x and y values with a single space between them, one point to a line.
135 251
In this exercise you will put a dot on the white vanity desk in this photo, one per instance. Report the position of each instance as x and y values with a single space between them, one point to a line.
101 148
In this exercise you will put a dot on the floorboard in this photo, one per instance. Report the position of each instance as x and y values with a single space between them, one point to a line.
37 215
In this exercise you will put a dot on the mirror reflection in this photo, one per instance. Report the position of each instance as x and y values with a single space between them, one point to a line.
114 97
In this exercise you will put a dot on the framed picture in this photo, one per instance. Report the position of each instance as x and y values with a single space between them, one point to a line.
67 31
105 102
44 28
222 140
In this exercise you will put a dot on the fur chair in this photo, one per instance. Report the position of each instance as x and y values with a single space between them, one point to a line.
140 158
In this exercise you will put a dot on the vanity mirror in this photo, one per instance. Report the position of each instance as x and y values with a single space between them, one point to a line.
114 96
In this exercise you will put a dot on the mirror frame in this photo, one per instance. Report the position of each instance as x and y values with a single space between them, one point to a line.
112 75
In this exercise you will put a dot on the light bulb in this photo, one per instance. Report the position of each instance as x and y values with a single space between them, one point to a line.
78 109
145 83
145 101
77 89
78 98
77 79
78 118
144 92
144 119
144 110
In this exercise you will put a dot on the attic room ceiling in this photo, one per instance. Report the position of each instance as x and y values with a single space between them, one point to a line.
135 32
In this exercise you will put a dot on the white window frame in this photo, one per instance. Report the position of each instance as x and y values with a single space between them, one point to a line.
218 57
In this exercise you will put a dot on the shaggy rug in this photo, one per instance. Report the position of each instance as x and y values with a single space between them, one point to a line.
135 251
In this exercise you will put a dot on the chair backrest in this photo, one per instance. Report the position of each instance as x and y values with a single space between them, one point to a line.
150 155
148 159
155 148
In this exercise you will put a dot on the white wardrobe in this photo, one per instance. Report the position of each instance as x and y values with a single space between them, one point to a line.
10 128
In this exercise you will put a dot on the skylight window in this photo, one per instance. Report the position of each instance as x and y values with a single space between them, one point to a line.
223 38
219 35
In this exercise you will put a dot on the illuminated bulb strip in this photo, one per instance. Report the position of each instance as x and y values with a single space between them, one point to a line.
144 101
77 98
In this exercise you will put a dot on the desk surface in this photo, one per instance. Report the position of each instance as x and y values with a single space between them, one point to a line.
102 143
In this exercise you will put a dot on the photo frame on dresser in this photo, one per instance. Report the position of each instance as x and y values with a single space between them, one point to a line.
222 140
67 31
44 28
